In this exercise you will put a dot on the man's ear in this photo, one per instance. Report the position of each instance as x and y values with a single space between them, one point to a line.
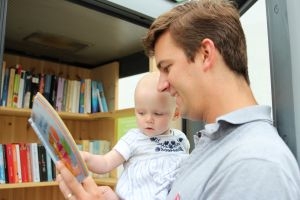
208 52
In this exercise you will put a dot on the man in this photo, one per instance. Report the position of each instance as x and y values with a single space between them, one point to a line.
200 51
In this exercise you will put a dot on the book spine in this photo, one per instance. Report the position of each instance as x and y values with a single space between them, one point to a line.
24 160
103 99
5 88
59 96
47 88
29 168
10 164
49 167
81 96
42 162
27 90
95 104
12 72
2 76
87 96
18 164
2 164
35 80
16 86
34 163
21 89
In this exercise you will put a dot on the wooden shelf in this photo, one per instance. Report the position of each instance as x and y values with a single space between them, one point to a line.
103 181
21 112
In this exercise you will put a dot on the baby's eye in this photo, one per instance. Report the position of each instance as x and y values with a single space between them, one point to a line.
159 114
141 113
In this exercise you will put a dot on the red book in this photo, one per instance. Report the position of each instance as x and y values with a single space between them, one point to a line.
24 162
10 163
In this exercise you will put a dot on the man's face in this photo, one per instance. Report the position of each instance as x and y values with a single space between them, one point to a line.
178 76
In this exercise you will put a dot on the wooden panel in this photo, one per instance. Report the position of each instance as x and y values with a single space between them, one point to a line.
38 193
16 129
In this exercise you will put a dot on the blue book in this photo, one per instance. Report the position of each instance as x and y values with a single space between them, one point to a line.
94 100
102 96
5 88
2 164
49 167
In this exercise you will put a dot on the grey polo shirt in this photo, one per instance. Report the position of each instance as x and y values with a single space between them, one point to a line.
240 157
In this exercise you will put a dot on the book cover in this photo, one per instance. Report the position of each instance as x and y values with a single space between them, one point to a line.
55 136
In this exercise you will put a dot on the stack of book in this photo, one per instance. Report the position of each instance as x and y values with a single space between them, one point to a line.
18 87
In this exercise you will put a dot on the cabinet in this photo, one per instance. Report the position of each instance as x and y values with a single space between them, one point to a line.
15 127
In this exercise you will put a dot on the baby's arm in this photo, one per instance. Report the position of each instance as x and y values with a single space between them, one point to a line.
102 163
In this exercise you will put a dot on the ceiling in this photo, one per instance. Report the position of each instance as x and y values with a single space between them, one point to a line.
69 32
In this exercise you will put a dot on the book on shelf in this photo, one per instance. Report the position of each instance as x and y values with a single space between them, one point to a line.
102 97
2 164
55 136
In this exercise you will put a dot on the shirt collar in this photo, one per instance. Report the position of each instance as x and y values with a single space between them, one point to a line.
227 122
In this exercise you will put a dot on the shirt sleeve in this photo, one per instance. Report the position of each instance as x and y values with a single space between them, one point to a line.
124 145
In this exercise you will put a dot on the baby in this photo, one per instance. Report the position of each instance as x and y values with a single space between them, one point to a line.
151 154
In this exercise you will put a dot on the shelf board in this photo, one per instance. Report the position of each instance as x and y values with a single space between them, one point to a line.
103 181
17 112
21 112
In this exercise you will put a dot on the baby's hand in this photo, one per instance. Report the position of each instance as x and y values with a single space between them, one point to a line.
85 155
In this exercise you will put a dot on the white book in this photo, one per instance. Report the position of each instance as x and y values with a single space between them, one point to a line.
21 89
19 172
35 171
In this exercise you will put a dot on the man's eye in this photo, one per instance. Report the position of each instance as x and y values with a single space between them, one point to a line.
166 69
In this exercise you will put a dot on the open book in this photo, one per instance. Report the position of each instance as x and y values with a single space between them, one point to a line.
56 137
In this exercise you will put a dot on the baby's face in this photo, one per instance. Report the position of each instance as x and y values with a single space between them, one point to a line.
154 114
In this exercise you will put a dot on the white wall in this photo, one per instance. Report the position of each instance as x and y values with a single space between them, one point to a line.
254 22
126 91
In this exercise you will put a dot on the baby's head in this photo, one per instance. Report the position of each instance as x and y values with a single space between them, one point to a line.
154 110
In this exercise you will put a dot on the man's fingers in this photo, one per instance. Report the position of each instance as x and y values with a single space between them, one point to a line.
89 185
66 176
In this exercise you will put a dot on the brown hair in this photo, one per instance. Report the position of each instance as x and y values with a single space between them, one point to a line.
193 21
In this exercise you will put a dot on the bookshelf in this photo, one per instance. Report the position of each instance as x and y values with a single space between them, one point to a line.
102 125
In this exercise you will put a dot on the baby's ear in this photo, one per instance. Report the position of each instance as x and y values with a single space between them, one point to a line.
176 114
